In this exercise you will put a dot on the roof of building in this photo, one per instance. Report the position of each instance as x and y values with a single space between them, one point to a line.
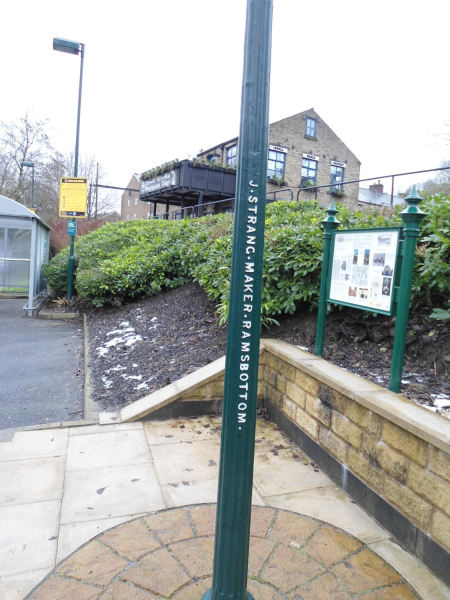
309 110
11 208
371 197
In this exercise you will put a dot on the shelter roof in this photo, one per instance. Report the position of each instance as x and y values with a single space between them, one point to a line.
11 208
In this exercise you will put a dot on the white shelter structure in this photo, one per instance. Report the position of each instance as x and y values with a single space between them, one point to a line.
24 250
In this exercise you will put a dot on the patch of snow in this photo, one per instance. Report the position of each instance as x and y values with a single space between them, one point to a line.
124 324
135 365
133 339
107 382
141 386
102 351
433 408
441 400
440 396
405 382
305 348
118 368
153 320
120 331
127 377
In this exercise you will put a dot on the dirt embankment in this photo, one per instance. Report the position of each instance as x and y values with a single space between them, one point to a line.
144 345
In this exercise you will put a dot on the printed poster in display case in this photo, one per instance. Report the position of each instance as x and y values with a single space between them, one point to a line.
363 268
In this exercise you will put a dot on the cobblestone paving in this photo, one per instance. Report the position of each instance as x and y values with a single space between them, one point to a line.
169 554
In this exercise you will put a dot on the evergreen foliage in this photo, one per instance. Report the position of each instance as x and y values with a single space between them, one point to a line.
128 259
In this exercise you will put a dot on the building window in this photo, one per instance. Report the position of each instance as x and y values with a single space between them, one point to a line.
128 217
134 215
275 166
231 156
212 158
336 177
310 127
309 172
135 201
128 202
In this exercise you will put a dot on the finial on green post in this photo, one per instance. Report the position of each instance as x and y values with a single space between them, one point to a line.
331 212
413 201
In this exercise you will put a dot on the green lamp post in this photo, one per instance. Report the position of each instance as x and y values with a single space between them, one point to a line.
30 164
231 550
71 47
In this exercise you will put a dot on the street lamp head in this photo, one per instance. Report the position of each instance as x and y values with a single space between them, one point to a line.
27 164
69 46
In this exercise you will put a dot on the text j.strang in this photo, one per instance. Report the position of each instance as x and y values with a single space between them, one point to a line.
251 221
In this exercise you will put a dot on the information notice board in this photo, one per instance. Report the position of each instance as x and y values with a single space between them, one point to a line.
363 268
73 197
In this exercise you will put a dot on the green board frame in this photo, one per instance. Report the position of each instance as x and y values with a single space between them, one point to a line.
395 275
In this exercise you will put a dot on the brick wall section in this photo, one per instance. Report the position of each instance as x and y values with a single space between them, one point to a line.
131 205
405 469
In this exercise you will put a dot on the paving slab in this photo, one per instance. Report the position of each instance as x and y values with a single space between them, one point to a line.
163 555
32 480
180 469
35 444
187 461
110 492
281 472
28 537
16 587
111 449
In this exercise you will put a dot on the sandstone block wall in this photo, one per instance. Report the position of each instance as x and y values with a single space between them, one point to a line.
407 469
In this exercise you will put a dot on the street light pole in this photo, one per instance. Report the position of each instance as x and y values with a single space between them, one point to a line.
77 143
30 164
63 45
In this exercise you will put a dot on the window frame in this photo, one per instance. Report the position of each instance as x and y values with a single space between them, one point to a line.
337 186
305 178
311 125
271 173
231 161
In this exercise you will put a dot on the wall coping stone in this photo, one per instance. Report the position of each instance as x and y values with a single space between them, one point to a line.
174 391
396 408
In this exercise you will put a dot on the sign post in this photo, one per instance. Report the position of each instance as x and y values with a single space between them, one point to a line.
412 217
242 355
329 225
72 203
371 269
72 228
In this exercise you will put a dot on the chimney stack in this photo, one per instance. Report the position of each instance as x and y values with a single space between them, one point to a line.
376 187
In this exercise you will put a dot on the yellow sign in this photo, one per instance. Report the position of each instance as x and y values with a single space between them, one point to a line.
73 197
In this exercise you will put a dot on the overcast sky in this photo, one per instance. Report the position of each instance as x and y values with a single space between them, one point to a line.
163 78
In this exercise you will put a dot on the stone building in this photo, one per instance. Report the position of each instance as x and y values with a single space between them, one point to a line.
131 208
303 152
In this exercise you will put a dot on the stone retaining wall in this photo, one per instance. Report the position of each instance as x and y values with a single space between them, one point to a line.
398 449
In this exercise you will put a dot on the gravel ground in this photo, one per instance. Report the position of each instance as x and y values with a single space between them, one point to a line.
144 345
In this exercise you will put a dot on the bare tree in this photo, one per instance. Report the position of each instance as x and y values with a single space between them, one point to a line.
27 140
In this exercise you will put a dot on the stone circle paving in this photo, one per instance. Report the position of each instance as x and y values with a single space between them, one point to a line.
169 554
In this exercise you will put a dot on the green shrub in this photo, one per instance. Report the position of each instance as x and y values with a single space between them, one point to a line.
431 283
124 260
